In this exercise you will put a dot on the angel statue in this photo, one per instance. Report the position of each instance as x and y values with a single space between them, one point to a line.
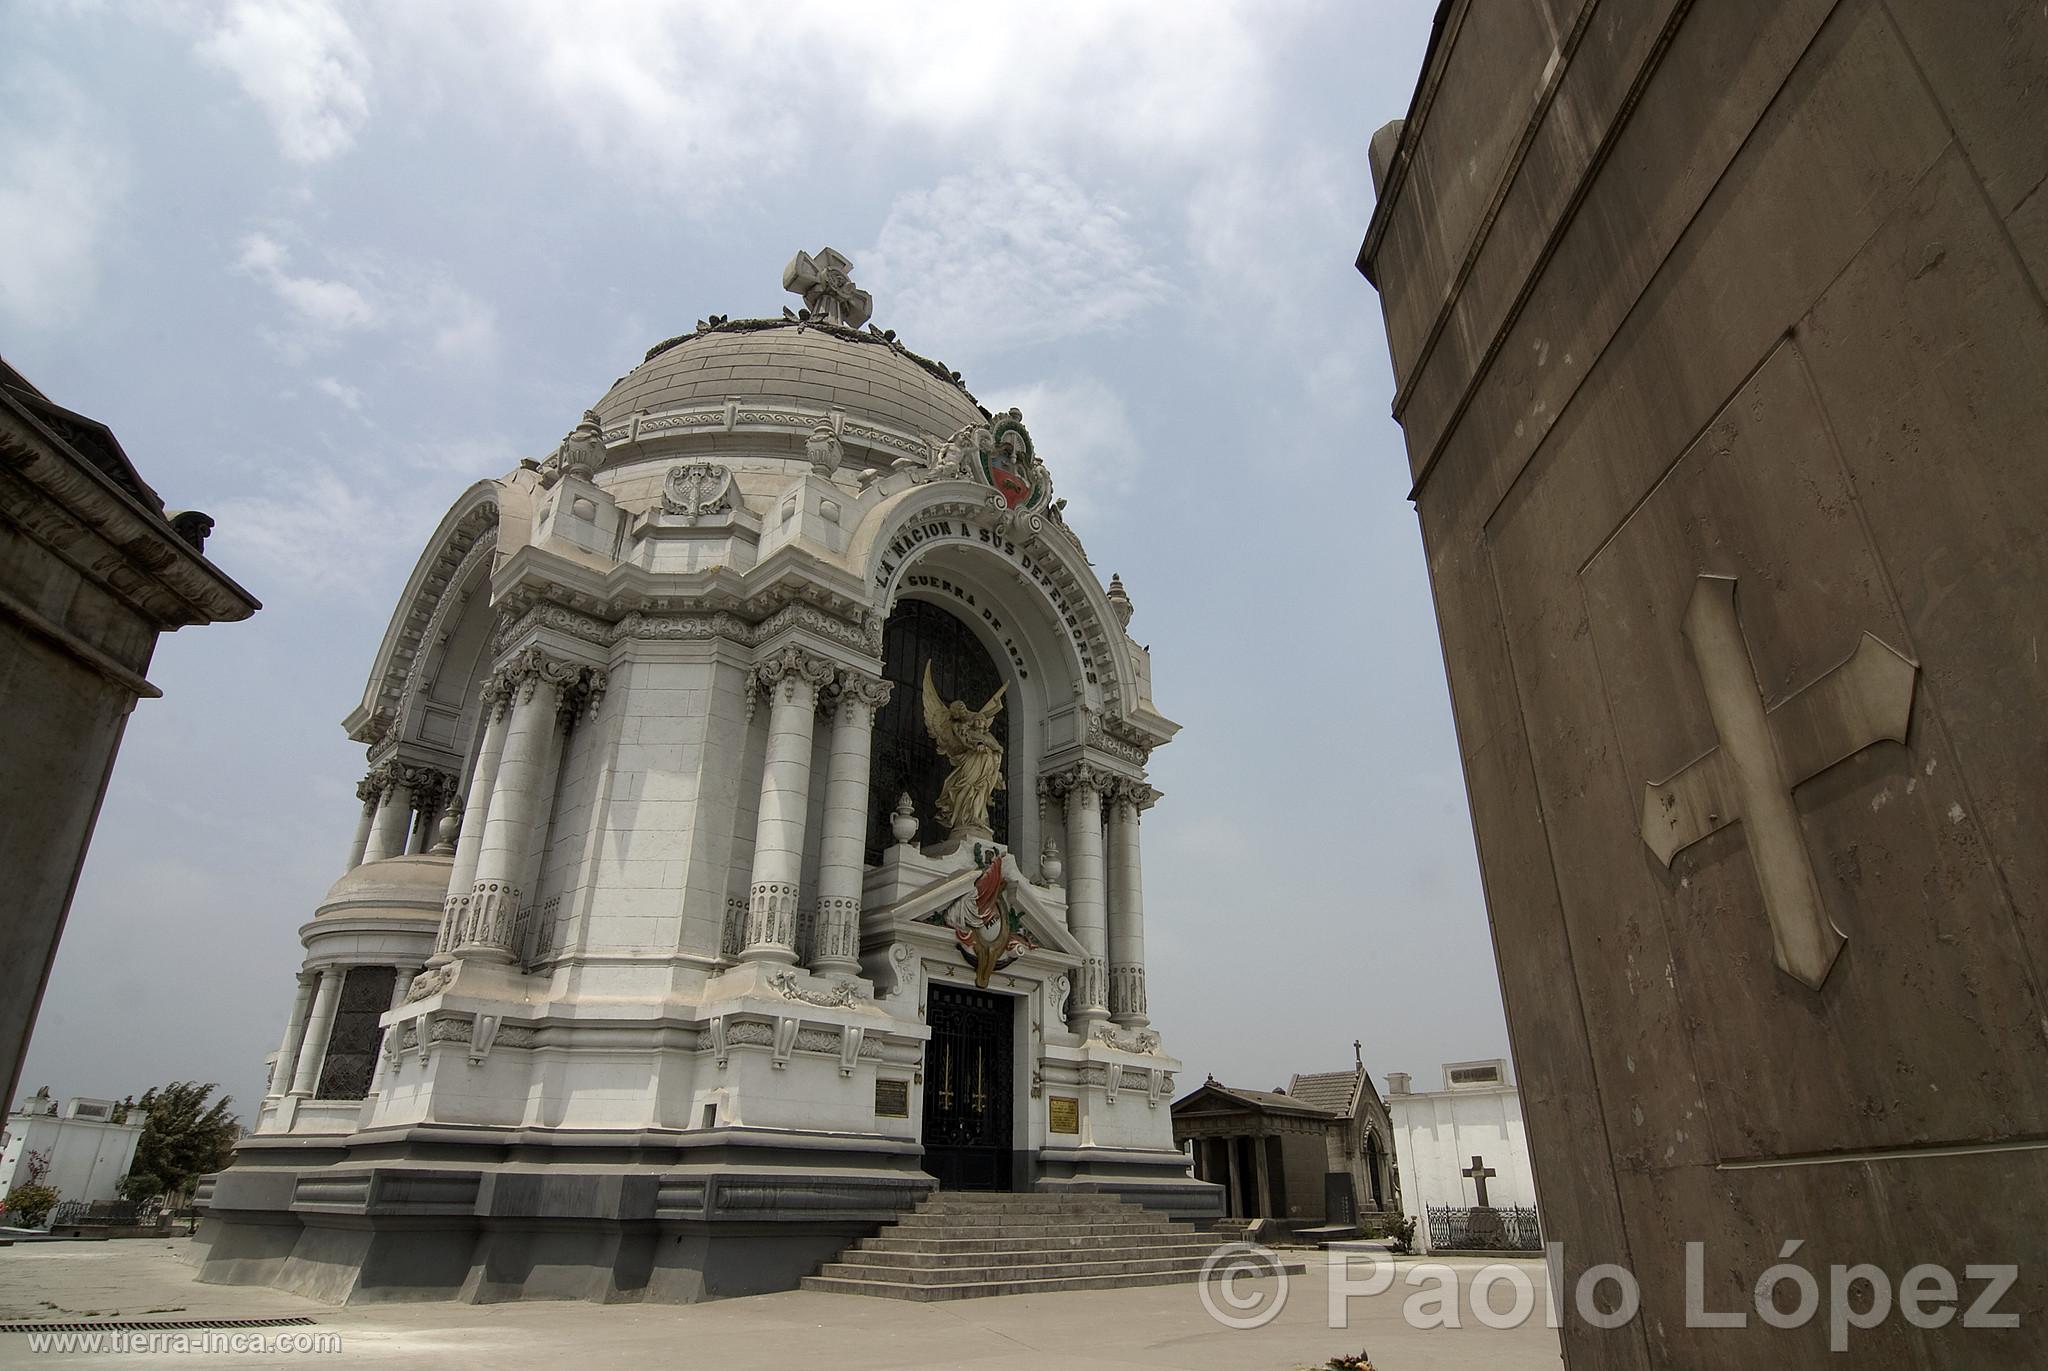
965 738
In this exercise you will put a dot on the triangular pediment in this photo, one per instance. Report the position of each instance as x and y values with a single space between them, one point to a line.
1040 921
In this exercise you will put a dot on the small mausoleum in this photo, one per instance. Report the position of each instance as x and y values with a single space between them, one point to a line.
1315 1154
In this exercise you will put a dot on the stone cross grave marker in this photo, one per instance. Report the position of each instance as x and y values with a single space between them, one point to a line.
1479 1173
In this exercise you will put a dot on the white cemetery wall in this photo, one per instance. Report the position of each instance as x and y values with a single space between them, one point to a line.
88 1156
1438 1133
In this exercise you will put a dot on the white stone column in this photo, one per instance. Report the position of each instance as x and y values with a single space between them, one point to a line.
469 845
313 1051
1127 905
394 813
495 925
842 842
366 791
294 1033
1087 912
790 678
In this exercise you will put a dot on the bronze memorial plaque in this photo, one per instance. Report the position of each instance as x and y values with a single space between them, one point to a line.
892 1099
1064 1114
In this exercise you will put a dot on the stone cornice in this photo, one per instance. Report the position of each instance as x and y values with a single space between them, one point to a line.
71 506
688 625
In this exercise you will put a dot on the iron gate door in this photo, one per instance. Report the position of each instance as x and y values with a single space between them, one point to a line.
967 1095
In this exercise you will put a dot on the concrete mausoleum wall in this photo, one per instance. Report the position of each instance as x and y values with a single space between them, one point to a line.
1718 336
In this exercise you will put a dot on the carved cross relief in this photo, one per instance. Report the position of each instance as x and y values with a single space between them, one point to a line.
1763 754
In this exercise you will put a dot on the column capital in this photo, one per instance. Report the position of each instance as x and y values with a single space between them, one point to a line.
1128 790
852 686
1078 777
788 667
578 688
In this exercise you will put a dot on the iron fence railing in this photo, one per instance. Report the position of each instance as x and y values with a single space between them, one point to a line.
1484 1230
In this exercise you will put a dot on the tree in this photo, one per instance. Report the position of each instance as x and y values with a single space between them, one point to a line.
183 1138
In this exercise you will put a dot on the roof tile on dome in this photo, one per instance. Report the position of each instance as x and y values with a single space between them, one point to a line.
804 363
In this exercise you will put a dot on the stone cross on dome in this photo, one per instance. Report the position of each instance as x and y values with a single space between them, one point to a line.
827 288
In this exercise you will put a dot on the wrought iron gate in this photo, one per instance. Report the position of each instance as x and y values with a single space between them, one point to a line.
968 1111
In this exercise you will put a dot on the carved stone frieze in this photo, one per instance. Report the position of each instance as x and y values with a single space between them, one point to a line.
516 623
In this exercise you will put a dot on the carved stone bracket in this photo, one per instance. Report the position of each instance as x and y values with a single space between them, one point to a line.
1142 1041
839 997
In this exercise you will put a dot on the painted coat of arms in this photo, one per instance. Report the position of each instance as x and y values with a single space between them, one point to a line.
1003 457
985 923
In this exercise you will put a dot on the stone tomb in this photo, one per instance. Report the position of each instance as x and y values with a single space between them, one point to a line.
750 844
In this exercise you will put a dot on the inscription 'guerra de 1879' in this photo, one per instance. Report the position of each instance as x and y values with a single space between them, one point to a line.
915 539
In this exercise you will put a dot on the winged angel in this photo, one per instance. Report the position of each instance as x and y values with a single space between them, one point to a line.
965 737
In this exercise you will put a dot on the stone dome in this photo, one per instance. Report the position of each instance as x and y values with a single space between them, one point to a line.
409 887
807 365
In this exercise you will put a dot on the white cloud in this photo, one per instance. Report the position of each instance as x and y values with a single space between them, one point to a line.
418 304
691 101
60 184
985 261
460 327
343 394
302 65
1271 244
315 530
1082 432
327 306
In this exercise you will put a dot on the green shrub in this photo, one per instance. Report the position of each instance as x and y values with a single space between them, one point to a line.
29 1205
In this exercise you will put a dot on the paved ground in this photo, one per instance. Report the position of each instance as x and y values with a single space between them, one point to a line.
1110 1330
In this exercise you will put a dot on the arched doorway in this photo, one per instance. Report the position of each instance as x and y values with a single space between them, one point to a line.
919 632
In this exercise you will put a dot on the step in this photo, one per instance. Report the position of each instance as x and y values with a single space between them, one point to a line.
957 1203
984 1274
976 1223
904 1290
896 1240
1007 1256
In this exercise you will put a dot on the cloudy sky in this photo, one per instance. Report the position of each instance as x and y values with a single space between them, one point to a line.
322 265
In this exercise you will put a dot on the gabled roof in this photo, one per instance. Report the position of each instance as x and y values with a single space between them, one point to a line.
1336 1091
89 438
1214 1093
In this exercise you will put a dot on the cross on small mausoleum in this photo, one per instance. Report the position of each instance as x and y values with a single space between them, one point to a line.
1766 752
1479 1173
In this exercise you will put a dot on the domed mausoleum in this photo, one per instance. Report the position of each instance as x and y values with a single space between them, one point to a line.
749 846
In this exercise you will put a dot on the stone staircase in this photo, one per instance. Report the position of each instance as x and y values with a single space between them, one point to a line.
961 1245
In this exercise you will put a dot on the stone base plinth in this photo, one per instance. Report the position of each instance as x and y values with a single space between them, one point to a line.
424 1216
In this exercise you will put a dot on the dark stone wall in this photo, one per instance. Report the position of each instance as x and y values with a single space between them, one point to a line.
1754 290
